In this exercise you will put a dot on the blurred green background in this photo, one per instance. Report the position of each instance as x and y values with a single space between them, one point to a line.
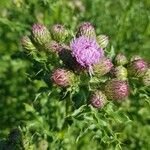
126 22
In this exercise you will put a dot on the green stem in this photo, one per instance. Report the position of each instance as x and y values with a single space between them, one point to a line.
68 106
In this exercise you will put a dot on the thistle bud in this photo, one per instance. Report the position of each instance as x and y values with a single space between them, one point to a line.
86 29
135 57
59 32
40 34
79 5
98 99
116 89
137 68
119 72
62 77
102 40
43 145
53 46
121 59
103 67
27 43
146 78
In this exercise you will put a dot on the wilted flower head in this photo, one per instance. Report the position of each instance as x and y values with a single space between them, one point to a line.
98 99
121 59
137 68
53 46
102 67
59 32
27 43
86 51
69 61
119 72
116 89
102 40
146 78
62 77
41 34
86 29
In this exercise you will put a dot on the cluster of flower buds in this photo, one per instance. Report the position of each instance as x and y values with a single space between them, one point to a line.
85 55
43 39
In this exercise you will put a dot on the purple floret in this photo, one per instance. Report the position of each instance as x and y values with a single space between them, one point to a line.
86 51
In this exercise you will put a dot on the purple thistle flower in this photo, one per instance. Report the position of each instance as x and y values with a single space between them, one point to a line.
86 51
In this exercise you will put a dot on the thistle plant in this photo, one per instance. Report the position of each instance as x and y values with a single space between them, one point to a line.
87 51
80 72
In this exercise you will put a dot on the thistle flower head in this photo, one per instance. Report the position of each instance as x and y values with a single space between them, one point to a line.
86 51
27 43
146 78
137 68
62 77
98 99
121 59
116 89
79 5
40 34
53 46
102 40
59 32
86 29
102 67
135 57
119 72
